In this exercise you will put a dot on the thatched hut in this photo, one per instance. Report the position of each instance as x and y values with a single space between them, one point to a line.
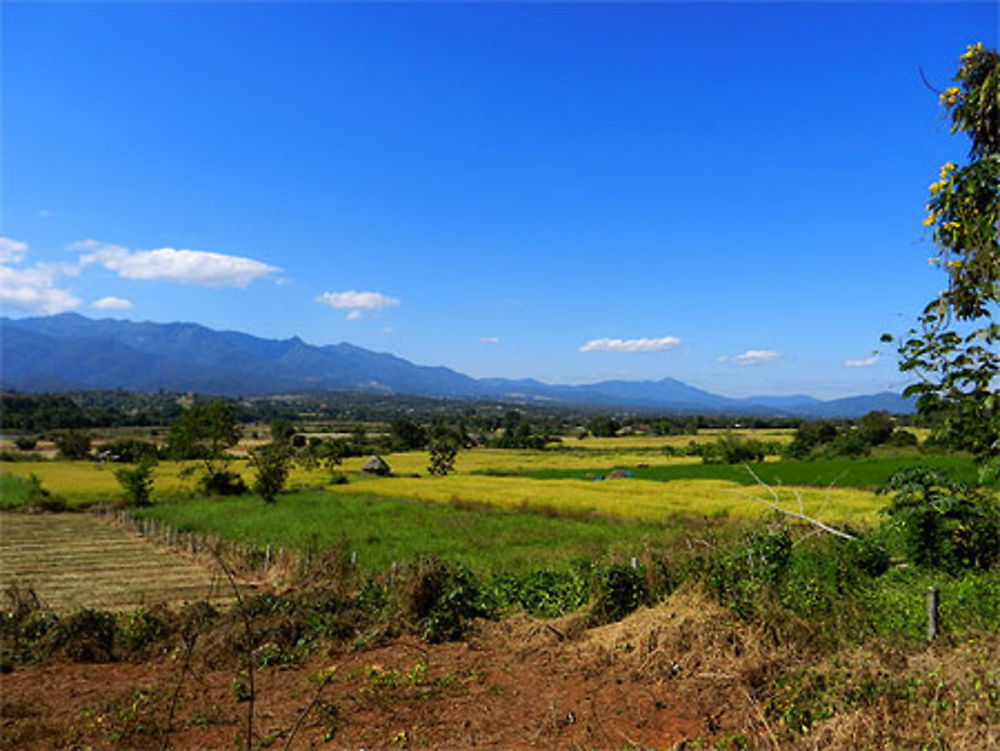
375 465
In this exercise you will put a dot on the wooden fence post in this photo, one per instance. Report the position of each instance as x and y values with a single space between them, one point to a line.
932 613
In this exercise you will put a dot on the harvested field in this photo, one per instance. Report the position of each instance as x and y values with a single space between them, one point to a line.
75 560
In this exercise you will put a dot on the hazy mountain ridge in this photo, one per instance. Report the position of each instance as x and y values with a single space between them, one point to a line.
68 351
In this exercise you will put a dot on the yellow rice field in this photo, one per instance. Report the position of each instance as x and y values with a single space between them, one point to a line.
629 498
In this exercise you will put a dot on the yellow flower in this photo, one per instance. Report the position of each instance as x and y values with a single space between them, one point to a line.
946 168
950 225
950 95
954 264
929 220
932 261
972 50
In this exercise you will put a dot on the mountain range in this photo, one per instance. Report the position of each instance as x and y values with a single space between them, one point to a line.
69 352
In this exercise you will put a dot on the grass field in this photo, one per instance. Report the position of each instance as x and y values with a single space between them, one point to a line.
839 472
386 529
74 560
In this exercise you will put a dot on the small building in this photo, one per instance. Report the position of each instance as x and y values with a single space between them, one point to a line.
375 465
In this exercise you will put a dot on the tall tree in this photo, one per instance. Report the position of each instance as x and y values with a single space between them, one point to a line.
204 432
953 350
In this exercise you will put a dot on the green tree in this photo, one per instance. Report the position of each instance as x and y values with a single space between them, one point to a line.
272 463
406 435
204 432
443 450
953 350
876 428
73 444
138 482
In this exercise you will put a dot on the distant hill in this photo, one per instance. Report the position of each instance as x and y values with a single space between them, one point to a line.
70 352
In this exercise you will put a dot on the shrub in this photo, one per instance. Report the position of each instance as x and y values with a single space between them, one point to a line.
441 598
26 443
616 591
73 444
140 627
41 499
940 523
223 482
137 483
849 443
130 451
734 449
85 636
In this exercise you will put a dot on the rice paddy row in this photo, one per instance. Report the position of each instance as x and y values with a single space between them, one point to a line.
75 560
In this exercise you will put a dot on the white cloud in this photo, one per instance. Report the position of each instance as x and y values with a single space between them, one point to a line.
631 345
354 315
757 357
173 265
112 303
12 251
352 300
865 363
34 290
489 339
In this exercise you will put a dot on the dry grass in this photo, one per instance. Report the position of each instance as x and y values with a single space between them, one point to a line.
74 561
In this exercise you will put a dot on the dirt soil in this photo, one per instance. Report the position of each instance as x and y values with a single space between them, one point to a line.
517 684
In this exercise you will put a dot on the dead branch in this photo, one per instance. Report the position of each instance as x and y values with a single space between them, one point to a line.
808 519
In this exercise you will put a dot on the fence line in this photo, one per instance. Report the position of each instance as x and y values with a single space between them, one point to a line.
246 557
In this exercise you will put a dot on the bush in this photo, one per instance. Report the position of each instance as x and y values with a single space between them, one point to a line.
73 444
616 591
440 599
903 438
223 483
733 449
85 636
41 499
130 451
850 443
137 483
940 523
25 443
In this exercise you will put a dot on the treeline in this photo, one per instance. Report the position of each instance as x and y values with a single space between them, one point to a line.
110 409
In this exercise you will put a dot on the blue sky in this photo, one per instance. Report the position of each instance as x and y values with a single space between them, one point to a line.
726 193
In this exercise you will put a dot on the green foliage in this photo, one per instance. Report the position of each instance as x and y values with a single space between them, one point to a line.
73 444
130 451
440 598
272 464
734 449
849 442
26 443
808 437
204 432
84 636
140 628
137 483
942 524
222 482
876 428
604 426
953 350
406 435
545 593
617 590
443 451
